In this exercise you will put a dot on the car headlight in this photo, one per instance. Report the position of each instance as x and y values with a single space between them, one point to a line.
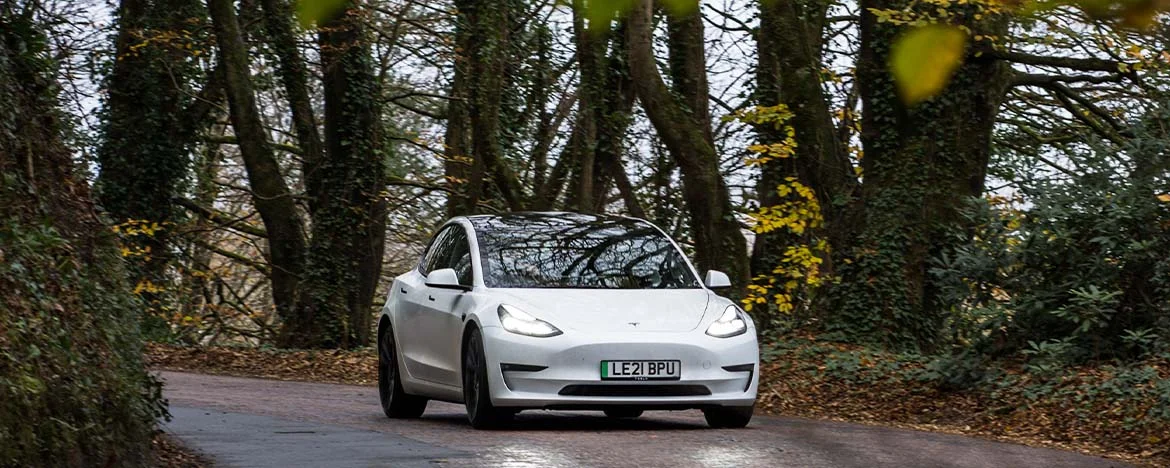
519 322
730 324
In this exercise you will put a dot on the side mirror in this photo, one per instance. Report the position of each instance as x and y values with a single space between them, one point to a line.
445 278
716 279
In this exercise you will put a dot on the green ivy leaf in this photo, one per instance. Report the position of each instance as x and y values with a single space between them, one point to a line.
32 384
923 60
314 11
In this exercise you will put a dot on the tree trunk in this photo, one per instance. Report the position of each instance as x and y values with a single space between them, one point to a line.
687 59
719 243
921 165
485 28
294 76
195 286
146 136
457 151
789 73
604 114
345 258
592 41
548 193
270 194
546 130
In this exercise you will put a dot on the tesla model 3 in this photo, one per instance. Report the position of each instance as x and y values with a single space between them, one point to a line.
563 311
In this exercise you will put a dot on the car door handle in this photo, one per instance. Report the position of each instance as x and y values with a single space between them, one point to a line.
431 297
402 290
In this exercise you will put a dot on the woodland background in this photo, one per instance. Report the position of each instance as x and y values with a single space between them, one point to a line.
963 195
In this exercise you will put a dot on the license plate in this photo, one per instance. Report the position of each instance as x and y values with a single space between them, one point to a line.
641 370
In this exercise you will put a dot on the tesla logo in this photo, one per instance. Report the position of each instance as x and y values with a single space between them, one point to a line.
634 323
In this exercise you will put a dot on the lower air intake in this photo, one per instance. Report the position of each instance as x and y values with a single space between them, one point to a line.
635 390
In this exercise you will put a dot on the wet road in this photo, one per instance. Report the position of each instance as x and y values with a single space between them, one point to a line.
253 422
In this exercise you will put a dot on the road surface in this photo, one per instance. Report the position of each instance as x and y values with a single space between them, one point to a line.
241 422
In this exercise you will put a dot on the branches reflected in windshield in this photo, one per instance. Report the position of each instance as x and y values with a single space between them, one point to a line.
577 251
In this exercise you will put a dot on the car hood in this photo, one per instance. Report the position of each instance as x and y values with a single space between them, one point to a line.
610 310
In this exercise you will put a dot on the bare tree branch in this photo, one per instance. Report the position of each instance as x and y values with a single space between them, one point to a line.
219 218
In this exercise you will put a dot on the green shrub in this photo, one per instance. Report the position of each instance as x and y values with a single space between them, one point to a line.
72 386
1083 262
960 371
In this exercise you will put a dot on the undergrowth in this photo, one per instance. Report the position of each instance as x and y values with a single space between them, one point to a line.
1108 407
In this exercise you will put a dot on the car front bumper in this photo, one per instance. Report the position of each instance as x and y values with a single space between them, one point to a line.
569 375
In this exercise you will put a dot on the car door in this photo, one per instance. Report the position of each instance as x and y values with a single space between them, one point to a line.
414 328
444 309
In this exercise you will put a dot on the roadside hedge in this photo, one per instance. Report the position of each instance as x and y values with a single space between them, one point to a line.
73 389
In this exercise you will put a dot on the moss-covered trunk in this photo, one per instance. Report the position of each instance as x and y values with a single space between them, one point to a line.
605 100
789 72
457 147
146 135
921 164
483 36
345 254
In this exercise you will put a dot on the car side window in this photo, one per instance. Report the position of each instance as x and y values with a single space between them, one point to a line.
438 253
460 256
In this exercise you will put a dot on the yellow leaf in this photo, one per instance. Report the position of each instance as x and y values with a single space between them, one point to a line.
1165 197
315 11
923 60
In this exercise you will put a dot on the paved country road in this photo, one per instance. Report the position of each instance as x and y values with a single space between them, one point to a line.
267 423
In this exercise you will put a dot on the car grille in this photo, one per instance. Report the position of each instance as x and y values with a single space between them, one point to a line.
634 390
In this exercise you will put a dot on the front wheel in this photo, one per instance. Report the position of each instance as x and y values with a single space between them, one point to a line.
396 403
476 394
730 417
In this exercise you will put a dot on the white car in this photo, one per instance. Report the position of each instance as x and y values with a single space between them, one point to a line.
563 311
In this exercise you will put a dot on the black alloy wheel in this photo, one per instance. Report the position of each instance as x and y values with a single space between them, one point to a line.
476 394
396 403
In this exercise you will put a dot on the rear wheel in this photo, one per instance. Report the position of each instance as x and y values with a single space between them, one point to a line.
625 413
731 417
396 403
476 395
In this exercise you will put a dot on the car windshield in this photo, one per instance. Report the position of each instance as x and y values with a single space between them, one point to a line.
578 251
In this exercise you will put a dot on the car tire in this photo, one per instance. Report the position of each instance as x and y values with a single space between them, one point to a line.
623 413
729 417
396 403
477 396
